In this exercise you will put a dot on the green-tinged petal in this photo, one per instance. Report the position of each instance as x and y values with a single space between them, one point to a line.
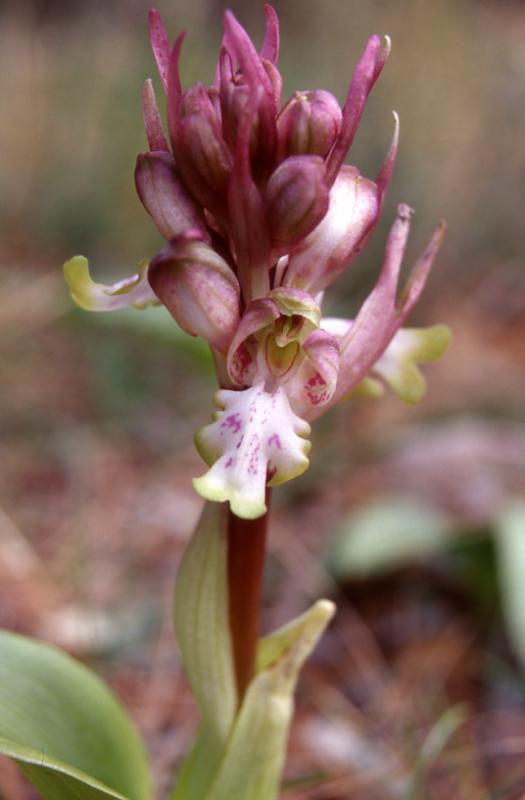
255 434
65 729
369 387
292 301
252 764
133 291
398 366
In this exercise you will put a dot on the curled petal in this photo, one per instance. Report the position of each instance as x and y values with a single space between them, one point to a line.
133 291
152 120
198 288
294 302
327 251
242 354
398 365
387 168
315 381
270 45
255 439
160 45
366 74
164 196
297 197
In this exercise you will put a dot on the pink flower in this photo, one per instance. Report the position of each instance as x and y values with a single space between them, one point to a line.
261 215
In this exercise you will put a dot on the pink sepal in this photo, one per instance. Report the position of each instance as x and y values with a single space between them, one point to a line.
366 74
152 119
160 45
270 45
380 316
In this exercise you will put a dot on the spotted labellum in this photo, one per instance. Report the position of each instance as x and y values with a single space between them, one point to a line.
260 215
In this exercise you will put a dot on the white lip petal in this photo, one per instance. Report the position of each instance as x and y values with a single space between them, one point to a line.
255 437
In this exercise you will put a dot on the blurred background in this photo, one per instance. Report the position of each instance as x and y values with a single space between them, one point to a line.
412 519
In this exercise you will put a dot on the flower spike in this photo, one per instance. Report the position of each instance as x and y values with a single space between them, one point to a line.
260 214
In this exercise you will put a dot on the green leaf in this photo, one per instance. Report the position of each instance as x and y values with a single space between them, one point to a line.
203 634
386 534
253 760
510 550
64 728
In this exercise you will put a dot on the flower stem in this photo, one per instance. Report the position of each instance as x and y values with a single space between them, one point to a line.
246 556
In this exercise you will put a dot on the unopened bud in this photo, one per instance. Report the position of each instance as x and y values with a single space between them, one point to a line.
202 154
164 197
297 197
198 288
309 123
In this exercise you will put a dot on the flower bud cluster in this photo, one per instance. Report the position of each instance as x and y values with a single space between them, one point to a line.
260 215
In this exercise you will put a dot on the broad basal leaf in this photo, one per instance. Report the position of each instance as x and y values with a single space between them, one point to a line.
64 728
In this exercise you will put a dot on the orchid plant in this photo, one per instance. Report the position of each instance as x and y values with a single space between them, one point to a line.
260 215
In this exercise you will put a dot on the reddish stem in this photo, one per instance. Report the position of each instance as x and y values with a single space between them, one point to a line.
246 555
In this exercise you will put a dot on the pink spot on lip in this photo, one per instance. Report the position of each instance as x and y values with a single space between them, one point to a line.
316 380
232 421
229 463
275 440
